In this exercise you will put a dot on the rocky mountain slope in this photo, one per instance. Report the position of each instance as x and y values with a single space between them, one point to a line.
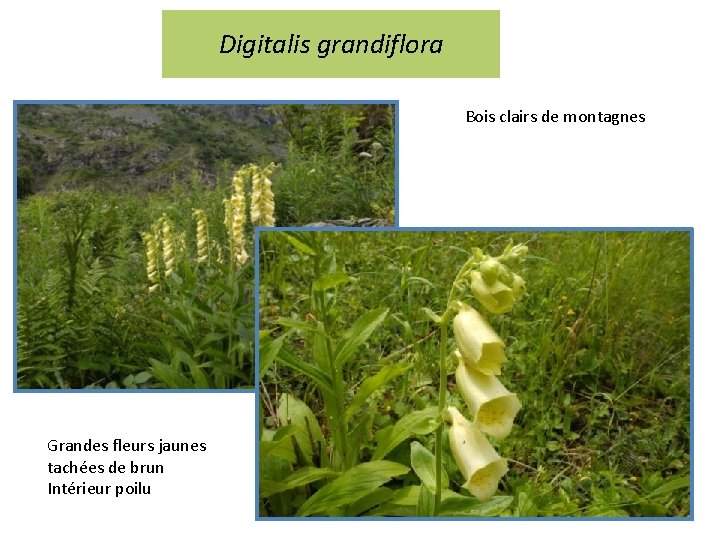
138 147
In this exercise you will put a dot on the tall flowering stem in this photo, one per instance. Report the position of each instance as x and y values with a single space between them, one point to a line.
201 231
443 322
441 407
151 266
168 243
262 209
481 353
235 217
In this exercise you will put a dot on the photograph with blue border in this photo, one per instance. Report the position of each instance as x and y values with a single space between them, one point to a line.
474 373
134 224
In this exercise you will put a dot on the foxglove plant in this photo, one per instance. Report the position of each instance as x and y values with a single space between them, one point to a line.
480 355
172 244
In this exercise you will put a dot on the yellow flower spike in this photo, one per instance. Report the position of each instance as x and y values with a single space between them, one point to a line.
262 208
479 345
479 463
492 404
168 245
239 180
218 252
237 236
201 231
151 265
496 297
242 257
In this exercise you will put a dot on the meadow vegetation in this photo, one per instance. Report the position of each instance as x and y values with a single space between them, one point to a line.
102 186
598 351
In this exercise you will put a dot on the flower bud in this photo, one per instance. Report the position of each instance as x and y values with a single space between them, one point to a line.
477 460
492 404
496 297
479 345
489 270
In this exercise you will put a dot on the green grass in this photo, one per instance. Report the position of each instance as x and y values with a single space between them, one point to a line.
598 350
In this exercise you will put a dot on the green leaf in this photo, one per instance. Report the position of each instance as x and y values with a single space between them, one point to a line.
296 324
290 360
459 505
330 281
353 485
404 503
358 334
142 377
423 463
293 411
301 477
170 377
320 350
525 505
210 338
670 485
416 423
268 352
375 498
370 384
425 504
424 281
301 246
430 314
280 444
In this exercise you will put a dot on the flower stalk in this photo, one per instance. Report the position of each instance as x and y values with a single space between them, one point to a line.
480 355
168 245
201 233
151 264
262 208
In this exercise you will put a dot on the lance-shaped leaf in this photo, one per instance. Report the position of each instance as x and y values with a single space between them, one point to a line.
301 477
358 334
293 412
423 463
369 385
416 423
353 485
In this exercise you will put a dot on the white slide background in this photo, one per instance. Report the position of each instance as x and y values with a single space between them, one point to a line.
659 58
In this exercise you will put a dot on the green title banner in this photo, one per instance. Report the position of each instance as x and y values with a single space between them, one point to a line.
337 44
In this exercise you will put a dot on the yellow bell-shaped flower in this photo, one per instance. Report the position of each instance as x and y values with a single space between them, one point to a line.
492 404
479 345
477 460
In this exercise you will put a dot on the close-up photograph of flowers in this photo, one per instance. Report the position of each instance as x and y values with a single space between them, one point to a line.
470 374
